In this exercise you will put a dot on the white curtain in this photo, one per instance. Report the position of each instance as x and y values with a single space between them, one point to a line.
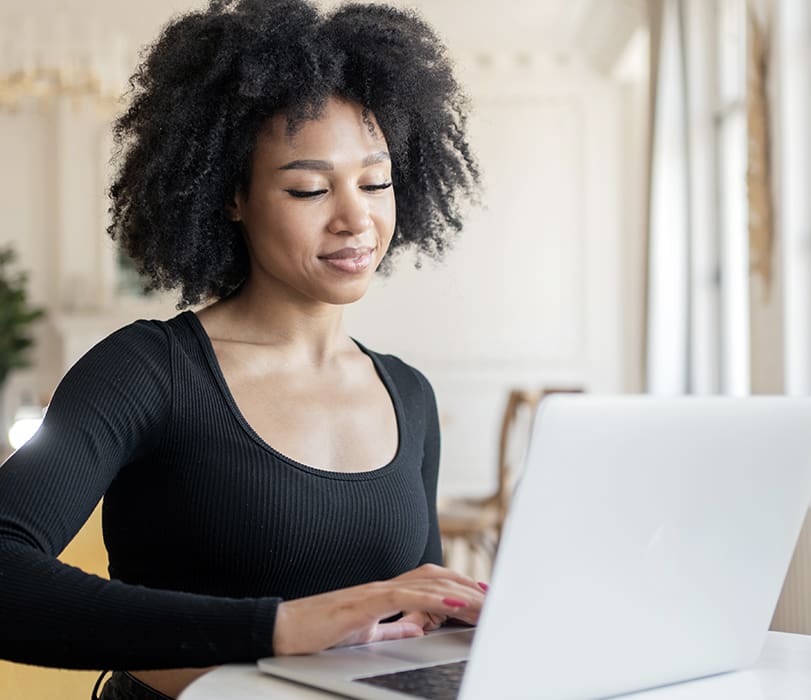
697 335
668 309
793 145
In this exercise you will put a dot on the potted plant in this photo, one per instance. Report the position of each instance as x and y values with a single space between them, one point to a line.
16 317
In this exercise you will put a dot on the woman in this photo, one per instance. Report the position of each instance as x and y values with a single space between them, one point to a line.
269 483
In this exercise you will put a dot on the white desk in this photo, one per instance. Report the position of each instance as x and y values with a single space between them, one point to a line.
783 672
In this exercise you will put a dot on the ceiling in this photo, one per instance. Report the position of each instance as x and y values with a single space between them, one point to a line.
597 28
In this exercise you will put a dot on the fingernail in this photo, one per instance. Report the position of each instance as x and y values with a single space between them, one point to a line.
483 586
453 603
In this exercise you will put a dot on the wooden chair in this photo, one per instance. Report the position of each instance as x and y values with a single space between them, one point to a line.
474 525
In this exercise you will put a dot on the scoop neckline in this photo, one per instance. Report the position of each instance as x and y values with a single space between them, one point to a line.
385 377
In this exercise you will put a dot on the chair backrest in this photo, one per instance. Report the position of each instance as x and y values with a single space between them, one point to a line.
516 427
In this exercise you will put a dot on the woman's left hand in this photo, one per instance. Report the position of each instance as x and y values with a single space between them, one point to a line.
426 596
429 621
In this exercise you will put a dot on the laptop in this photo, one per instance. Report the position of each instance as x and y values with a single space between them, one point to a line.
646 544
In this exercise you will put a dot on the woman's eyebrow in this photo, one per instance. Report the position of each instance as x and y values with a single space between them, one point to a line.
378 157
308 165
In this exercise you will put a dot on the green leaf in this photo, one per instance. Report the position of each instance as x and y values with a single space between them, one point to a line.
16 315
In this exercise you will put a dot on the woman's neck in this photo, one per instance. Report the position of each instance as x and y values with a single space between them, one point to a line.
309 333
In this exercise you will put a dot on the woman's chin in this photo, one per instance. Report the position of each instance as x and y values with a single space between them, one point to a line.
342 297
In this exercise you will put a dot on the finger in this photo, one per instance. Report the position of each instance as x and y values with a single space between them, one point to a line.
426 621
396 630
441 572
415 618
435 597
467 591
468 618
471 620
430 598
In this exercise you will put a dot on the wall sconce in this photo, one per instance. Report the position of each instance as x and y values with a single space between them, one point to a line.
44 57
26 422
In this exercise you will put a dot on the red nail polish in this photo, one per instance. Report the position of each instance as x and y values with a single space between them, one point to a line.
453 603
483 586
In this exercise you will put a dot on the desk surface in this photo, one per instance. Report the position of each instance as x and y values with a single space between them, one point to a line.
783 672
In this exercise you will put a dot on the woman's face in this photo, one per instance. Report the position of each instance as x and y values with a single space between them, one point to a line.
320 211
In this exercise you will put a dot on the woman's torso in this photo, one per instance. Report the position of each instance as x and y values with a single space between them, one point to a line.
317 449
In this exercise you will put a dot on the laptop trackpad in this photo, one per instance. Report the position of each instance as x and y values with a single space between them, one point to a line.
437 647
443 646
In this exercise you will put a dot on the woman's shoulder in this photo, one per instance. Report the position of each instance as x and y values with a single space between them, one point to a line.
126 376
145 336
404 375
140 347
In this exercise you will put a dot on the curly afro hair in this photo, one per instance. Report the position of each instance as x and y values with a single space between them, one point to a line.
212 79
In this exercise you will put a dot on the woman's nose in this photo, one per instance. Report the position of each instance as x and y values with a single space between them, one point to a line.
351 213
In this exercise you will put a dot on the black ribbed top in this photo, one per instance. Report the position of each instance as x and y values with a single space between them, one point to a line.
207 527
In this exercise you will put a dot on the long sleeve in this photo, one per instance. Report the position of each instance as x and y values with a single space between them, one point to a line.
110 410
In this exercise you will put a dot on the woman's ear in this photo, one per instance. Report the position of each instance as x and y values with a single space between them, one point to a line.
233 208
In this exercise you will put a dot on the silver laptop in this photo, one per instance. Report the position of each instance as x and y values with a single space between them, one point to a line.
647 544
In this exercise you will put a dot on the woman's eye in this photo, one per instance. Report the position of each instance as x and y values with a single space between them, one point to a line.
304 194
376 188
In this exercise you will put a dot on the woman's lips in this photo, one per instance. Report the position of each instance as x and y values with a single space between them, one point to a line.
349 259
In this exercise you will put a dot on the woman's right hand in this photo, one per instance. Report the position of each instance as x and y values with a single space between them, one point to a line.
353 615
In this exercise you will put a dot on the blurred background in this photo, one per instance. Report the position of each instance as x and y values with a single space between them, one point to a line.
645 224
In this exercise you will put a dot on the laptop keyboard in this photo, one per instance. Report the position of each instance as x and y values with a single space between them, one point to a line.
439 682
